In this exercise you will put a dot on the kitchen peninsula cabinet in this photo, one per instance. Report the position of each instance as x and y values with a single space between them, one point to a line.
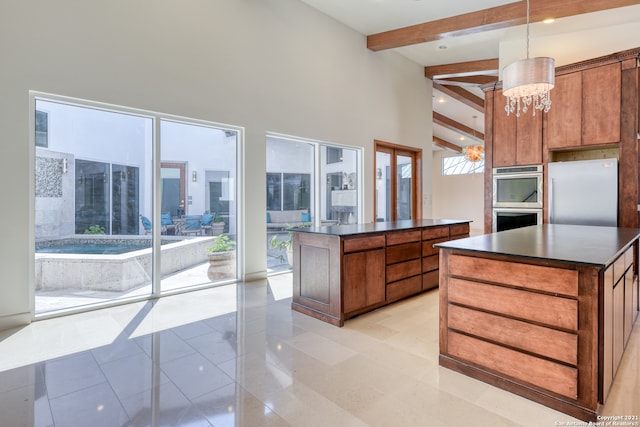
542 311
342 271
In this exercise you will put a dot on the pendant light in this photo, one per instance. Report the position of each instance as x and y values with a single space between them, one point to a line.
526 83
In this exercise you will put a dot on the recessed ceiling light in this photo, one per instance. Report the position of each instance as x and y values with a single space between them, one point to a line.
549 21
441 100
461 138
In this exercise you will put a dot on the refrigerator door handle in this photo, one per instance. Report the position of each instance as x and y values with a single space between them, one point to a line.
551 204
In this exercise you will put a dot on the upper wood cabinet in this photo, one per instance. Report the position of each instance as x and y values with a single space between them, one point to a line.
516 140
585 108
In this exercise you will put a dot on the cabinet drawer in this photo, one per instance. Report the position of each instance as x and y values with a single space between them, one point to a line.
430 263
542 373
458 229
404 288
540 278
399 237
404 252
403 270
364 243
435 233
431 280
428 249
560 313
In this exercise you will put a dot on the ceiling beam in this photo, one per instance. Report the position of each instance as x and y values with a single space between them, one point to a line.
455 126
467 80
470 68
446 144
462 95
504 16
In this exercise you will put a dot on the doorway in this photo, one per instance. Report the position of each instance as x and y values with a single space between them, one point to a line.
397 177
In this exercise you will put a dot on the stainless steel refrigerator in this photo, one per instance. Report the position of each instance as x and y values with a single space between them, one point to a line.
583 192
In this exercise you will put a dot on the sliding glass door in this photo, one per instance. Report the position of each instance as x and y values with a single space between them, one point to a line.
102 232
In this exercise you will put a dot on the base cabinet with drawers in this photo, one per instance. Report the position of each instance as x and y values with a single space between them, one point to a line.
544 312
342 271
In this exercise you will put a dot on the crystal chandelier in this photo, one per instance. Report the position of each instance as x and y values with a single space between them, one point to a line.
526 83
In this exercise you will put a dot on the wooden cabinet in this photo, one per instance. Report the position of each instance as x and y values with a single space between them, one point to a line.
564 119
516 140
601 96
363 279
336 277
585 109
619 314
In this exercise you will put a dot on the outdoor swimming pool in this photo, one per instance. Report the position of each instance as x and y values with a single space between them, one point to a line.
112 263
93 248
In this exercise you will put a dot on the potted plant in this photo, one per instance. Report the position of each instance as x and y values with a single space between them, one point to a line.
286 244
222 258
217 226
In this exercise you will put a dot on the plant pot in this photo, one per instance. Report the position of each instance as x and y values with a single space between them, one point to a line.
222 265
290 256
217 228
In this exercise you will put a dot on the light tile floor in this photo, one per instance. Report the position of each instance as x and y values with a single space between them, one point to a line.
238 356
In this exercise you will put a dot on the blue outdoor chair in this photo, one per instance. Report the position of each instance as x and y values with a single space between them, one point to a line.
146 224
168 227
192 224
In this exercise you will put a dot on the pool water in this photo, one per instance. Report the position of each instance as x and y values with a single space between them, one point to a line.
93 248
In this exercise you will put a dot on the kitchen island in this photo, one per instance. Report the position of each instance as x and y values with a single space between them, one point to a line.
542 311
341 271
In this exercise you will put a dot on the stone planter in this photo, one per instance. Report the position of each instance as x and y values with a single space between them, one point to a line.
222 265
217 228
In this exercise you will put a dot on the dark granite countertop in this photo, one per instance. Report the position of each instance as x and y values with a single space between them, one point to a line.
574 244
377 227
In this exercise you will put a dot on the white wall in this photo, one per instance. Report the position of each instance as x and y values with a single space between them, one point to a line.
268 66
572 47
458 196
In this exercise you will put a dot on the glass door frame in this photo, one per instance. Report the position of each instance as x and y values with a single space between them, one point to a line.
395 150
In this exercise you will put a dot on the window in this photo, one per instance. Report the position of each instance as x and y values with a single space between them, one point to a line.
459 165
42 129
98 225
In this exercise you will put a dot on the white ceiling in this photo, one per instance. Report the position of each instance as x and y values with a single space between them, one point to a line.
375 16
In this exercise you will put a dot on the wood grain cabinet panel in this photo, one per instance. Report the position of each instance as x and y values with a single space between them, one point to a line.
430 280
403 288
399 253
402 270
564 119
428 249
601 96
543 373
438 232
459 230
539 340
535 277
430 263
607 346
629 315
529 138
558 312
363 243
399 237
504 133
364 279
